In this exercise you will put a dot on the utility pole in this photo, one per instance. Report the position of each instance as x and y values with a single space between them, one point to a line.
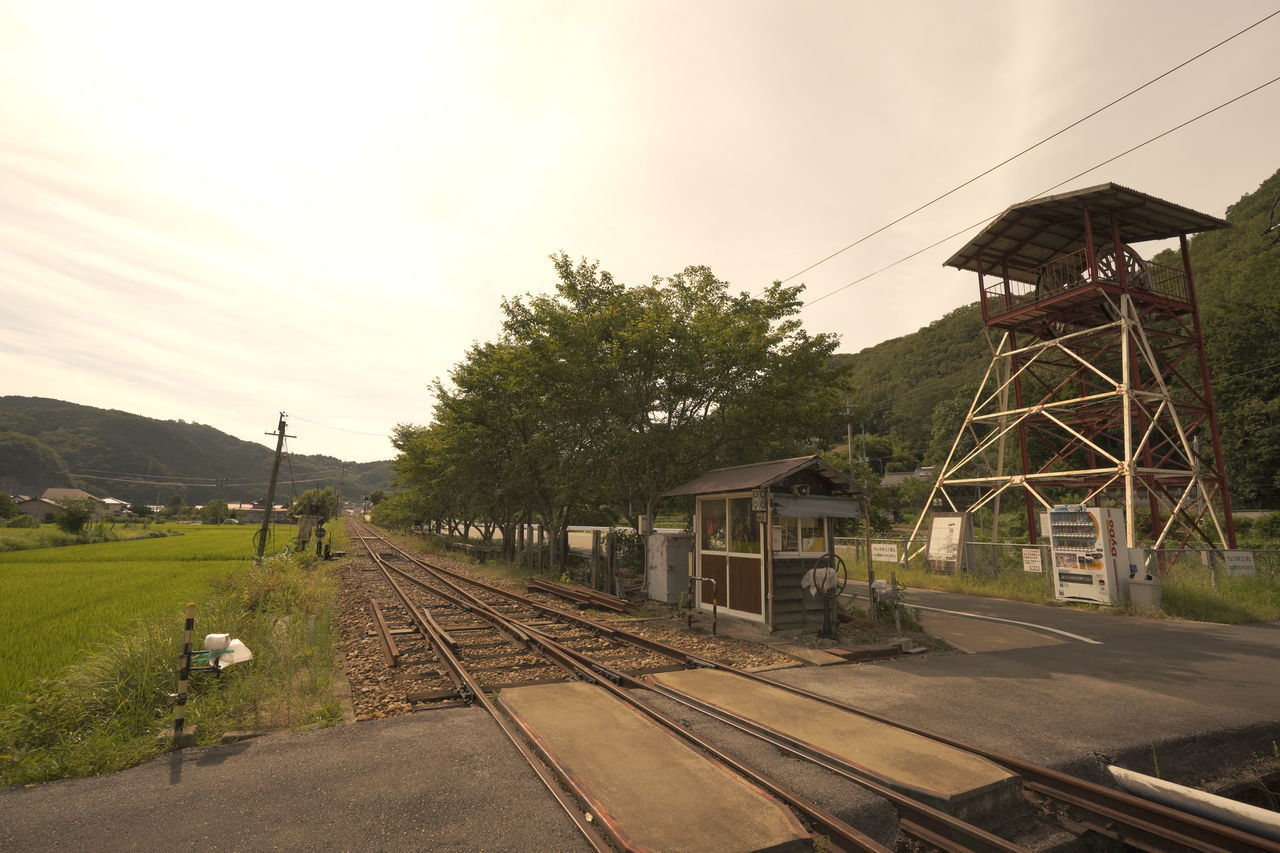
271 489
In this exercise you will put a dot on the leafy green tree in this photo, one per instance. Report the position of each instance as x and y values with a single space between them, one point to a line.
376 497
74 515
174 508
141 510
322 502
8 509
215 512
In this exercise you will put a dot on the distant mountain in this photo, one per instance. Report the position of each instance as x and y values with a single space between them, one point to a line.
911 393
49 443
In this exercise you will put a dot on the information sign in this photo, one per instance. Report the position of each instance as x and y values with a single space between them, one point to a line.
884 552
1031 560
1239 562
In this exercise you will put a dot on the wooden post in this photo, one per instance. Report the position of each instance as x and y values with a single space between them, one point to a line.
595 559
184 675
611 563
271 489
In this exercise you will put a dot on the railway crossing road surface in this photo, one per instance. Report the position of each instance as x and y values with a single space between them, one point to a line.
1052 697
439 780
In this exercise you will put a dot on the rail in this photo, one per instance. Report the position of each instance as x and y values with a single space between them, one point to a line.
1112 813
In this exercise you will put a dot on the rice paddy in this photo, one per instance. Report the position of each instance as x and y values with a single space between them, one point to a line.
56 603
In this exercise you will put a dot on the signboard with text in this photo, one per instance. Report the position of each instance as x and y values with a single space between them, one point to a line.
884 552
1031 560
1239 562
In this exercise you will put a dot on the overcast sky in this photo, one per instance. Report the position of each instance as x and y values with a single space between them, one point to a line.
217 211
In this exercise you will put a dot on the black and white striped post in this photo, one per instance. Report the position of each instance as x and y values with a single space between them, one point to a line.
184 675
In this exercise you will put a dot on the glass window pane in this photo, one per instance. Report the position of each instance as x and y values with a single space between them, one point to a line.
813 538
744 532
790 534
713 523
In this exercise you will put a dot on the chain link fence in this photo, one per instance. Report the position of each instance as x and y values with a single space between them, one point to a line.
1027 567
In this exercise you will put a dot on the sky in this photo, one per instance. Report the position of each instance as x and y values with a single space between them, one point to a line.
215 212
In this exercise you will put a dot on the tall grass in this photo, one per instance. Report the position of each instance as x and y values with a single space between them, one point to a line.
104 712
55 602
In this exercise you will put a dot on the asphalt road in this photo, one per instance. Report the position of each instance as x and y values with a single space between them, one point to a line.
1142 687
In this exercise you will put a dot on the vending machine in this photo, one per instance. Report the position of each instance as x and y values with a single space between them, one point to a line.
1090 559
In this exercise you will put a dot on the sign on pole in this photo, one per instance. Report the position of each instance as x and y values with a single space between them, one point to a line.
1031 560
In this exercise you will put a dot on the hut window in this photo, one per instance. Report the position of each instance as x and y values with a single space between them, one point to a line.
802 535
744 532
713 525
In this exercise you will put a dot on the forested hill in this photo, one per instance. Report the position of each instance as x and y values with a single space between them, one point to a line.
46 443
911 392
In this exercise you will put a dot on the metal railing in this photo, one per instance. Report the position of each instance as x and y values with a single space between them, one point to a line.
1072 270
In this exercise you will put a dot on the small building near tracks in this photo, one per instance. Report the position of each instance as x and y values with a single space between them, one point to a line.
757 529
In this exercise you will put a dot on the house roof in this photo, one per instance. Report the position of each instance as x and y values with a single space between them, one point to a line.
67 495
756 476
40 501
1032 233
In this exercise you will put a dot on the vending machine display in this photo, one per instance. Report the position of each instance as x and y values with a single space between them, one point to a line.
1090 560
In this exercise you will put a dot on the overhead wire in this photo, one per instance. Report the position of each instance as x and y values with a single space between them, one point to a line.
1029 148
340 429
1042 192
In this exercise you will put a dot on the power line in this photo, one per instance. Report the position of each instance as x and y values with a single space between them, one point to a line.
177 483
1028 149
1042 192
341 429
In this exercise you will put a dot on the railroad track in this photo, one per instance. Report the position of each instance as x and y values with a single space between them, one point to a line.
547 644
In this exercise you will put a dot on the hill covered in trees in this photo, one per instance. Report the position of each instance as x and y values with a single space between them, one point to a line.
911 392
50 443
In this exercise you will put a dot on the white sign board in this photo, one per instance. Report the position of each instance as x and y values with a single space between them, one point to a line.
884 552
1239 562
1031 560
948 531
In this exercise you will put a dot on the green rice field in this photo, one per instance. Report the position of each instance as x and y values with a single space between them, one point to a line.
55 603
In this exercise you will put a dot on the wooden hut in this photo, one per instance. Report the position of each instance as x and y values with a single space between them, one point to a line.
759 528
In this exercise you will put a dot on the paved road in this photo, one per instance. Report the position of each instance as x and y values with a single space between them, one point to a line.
438 780
1057 698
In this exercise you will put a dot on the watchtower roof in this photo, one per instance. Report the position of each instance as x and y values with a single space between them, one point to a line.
1035 232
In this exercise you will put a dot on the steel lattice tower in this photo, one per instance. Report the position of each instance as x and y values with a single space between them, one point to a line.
1098 387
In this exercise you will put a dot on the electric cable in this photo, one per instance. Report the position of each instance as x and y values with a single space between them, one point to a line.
1042 192
340 429
1028 149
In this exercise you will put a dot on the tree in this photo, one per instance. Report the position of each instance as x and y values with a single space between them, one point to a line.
74 515
174 508
321 502
141 510
603 394
376 497
8 509
215 512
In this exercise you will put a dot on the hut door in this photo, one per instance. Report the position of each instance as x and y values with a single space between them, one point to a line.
729 552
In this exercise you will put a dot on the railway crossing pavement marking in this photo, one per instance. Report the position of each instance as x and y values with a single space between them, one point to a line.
1009 621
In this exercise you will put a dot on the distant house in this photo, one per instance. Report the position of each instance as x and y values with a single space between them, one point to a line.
893 478
115 507
40 509
101 509
251 513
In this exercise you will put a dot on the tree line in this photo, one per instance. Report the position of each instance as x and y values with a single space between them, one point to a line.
596 398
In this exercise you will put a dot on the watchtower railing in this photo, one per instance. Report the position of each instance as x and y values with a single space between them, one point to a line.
1070 271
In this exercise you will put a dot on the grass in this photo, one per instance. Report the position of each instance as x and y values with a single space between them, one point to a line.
104 710
1189 591
55 602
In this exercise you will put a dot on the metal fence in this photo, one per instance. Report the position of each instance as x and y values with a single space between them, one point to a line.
1210 567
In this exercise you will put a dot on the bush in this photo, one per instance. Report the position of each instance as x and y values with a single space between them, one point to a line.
73 516
21 521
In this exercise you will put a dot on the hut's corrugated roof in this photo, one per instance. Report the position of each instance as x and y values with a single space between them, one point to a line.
1035 232
758 475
